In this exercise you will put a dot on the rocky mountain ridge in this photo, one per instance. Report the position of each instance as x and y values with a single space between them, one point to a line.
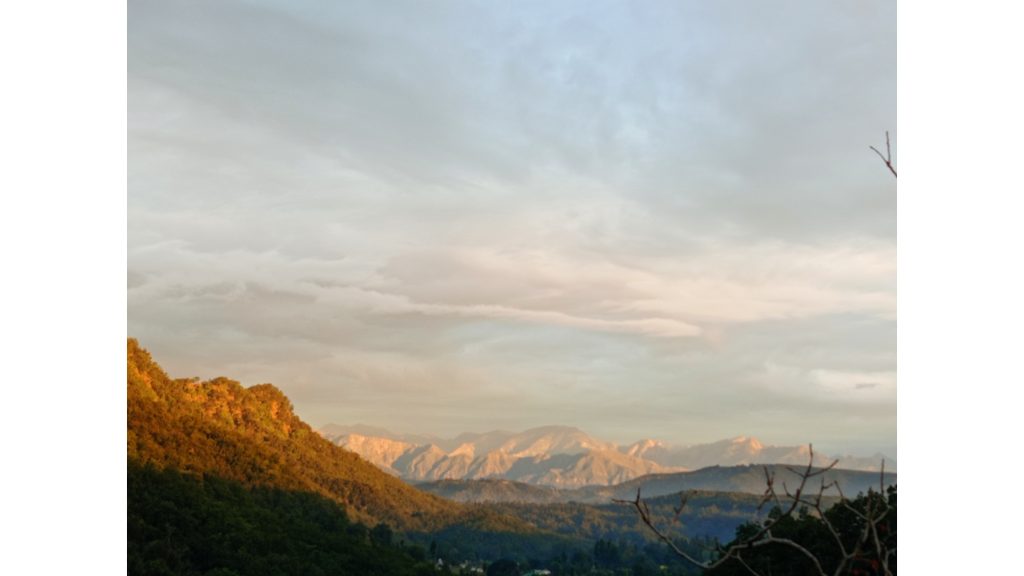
561 456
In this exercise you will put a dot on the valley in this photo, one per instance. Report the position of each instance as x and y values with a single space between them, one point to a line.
224 479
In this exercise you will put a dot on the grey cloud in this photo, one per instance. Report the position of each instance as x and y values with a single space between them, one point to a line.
641 219
759 123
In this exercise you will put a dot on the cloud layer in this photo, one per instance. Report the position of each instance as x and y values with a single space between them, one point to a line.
641 220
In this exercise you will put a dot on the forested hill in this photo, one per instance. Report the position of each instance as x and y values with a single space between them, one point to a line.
494 490
251 435
723 479
749 479
202 525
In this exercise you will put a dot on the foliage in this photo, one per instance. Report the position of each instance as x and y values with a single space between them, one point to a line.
848 520
190 524
709 515
503 567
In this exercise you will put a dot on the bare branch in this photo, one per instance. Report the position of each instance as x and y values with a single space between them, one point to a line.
682 504
888 154
876 508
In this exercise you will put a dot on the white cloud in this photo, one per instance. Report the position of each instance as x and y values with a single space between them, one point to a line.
667 197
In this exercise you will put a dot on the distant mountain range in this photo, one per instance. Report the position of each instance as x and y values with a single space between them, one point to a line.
561 456
744 450
744 479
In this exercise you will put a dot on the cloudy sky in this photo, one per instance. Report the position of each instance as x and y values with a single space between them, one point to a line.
644 219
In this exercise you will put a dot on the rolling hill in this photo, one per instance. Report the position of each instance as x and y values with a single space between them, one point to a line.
493 490
748 479
719 479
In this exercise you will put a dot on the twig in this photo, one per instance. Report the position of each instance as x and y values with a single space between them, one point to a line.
876 509
888 154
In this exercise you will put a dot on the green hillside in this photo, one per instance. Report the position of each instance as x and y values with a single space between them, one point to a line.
492 490
252 436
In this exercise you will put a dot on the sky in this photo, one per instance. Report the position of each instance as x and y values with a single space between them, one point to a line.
655 219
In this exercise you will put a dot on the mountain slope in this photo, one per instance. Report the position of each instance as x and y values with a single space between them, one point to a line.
595 467
195 525
251 435
381 452
559 456
492 490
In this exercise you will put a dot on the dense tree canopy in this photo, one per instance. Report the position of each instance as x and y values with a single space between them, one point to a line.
186 524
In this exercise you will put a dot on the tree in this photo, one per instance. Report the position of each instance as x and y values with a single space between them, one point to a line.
801 534
381 534
606 554
503 567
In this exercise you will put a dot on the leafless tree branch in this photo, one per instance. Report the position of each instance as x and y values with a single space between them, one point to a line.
888 154
876 509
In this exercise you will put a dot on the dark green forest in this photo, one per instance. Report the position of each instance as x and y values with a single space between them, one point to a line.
713 515
192 524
